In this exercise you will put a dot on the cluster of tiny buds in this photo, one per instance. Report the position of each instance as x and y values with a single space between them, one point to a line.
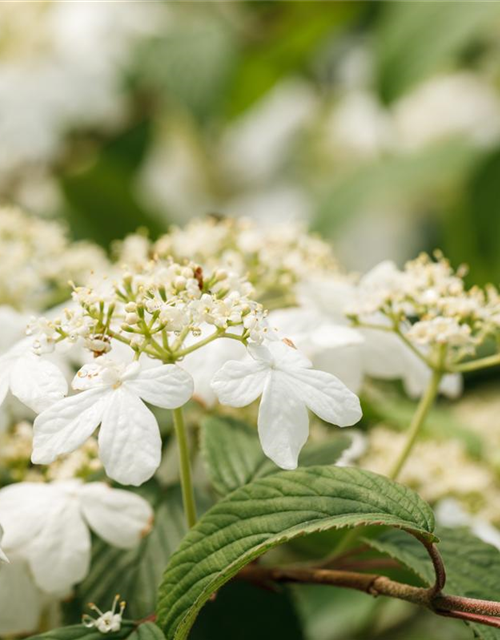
272 257
153 309
431 299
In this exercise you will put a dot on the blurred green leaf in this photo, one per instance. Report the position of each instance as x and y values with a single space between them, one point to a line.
101 202
394 179
192 65
416 39
472 233
288 37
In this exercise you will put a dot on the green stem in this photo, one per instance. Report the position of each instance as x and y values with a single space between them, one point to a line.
473 365
214 336
417 422
185 468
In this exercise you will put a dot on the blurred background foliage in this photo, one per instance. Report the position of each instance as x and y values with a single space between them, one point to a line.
379 123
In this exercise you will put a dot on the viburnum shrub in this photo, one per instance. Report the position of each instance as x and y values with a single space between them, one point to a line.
196 364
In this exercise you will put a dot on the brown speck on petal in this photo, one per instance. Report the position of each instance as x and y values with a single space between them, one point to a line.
288 342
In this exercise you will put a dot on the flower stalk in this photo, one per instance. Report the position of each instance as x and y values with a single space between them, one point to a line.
419 418
185 468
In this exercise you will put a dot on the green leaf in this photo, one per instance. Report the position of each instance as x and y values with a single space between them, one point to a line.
471 232
101 202
416 39
290 35
472 566
270 512
147 631
234 456
136 573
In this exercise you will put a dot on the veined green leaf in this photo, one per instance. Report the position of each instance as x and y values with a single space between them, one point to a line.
270 512
472 566
234 456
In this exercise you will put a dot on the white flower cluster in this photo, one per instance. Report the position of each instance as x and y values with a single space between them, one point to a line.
429 303
69 60
48 543
154 309
272 257
38 260
161 313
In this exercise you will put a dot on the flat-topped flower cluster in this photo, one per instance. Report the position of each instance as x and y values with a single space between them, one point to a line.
154 309
273 257
430 305
38 260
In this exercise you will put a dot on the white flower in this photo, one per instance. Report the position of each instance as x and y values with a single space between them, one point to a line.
112 396
331 346
381 353
36 382
289 386
47 526
3 557
107 622
21 602
204 363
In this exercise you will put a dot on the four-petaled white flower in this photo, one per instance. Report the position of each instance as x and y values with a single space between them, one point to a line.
47 527
35 381
112 396
107 622
289 386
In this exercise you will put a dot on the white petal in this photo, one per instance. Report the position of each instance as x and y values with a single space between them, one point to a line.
240 383
326 396
385 356
279 355
22 510
452 385
167 386
119 517
59 557
283 422
4 380
345 363
204 363
67 424
3 557
129 439
36 382
20 600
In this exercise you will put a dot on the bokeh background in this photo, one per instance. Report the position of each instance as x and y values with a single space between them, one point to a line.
379 123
